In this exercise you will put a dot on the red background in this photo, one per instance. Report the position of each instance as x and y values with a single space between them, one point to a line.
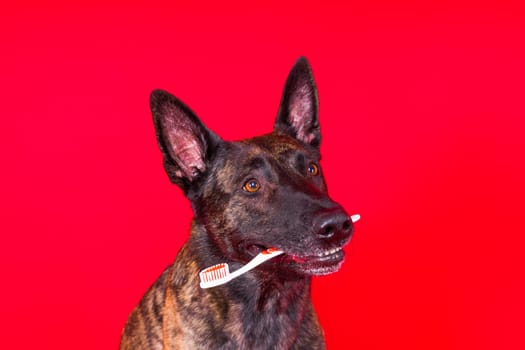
422 111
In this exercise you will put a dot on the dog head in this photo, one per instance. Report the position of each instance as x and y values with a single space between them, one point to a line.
267 191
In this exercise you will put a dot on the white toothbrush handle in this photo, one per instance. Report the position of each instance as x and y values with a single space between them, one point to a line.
258 260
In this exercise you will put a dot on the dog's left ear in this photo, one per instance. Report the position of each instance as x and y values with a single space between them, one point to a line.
298 113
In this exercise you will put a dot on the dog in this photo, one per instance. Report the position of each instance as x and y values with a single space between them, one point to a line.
247 196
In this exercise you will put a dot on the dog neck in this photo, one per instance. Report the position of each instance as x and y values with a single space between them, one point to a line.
265 301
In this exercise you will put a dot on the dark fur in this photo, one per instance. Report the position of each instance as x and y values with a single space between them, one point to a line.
269 307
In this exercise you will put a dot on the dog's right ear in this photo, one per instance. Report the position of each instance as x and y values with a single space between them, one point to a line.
186 144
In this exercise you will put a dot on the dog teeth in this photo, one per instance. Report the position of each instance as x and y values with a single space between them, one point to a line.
329 252
355 217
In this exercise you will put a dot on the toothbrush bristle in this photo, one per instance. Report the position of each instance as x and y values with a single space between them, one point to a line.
214 272
219 274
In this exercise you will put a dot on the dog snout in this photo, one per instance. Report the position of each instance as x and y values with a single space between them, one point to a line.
333 223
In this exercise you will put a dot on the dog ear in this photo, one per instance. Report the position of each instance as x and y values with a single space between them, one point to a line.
298 112
186 144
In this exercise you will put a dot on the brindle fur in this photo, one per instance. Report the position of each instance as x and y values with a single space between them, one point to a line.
269 307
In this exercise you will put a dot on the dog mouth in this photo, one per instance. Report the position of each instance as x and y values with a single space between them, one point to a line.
318 263
254 249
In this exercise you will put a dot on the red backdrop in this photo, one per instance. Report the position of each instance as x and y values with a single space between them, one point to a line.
422 111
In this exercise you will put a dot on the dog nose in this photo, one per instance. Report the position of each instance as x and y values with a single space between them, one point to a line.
333 223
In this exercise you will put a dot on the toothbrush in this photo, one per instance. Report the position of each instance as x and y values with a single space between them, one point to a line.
219 274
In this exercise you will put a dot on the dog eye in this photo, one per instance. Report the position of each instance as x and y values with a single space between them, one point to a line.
251 186
313 169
